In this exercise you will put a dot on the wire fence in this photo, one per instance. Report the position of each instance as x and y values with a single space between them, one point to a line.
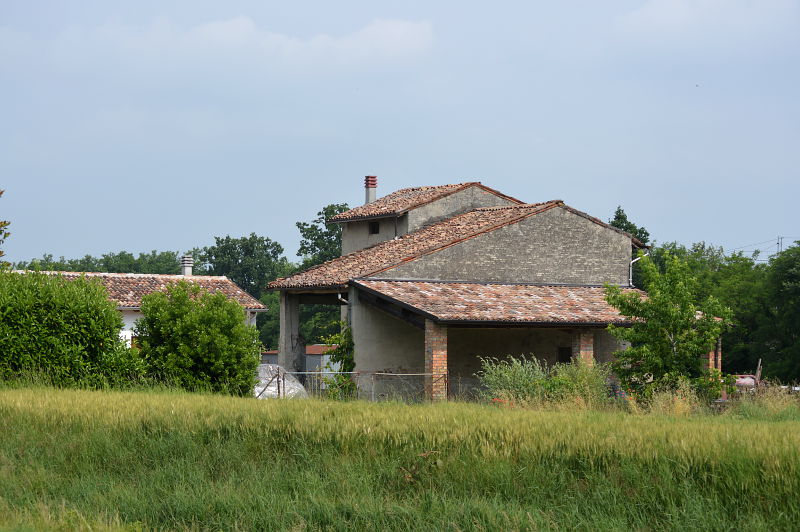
275 382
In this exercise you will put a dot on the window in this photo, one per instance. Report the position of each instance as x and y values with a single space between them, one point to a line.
374 228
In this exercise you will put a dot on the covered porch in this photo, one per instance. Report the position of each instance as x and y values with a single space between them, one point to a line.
442 329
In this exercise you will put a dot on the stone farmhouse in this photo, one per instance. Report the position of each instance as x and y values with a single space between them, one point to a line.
432 278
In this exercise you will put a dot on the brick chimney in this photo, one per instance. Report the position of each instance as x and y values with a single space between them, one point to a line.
187 261
370 184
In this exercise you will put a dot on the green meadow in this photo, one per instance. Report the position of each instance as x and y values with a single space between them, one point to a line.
109 460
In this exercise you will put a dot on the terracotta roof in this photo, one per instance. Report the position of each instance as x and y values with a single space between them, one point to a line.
457 302
406 199
127 289
337 272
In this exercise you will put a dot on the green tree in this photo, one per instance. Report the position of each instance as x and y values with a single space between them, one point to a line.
620 221
251 262
737 282
66 329
321 241
198 340
779 334
670 333
164 262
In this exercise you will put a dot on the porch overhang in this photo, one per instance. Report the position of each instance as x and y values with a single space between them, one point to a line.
490 305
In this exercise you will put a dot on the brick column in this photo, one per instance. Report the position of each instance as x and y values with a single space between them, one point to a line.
435 361
715 356
583 346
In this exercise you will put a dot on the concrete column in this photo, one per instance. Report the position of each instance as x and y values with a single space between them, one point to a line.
291 349
583 346
435 361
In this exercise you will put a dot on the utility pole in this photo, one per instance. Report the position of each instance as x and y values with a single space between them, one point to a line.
780 244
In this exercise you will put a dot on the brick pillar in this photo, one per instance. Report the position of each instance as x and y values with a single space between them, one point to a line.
583 346
715 356
435 361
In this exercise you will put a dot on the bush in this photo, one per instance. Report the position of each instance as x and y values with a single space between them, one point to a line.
528 381
65 330
197 340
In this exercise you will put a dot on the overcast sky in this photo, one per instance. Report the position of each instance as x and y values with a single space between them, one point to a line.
159 125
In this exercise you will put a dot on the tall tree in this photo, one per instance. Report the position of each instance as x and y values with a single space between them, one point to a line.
669 332
780 330
250 261
321 241
3 235
620 221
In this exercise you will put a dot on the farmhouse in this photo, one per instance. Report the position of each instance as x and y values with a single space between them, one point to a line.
126 290
432 278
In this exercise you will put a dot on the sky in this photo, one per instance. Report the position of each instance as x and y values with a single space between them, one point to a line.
158 125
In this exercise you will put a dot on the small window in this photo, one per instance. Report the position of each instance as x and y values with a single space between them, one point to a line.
374 228
564 355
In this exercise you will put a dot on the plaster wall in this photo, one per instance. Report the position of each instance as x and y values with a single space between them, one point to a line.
129 318
384 343
355 235
556 246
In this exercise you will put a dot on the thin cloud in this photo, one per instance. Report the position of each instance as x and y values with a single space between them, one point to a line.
683 24
240 40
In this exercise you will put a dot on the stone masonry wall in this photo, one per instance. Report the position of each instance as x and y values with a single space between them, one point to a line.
460 202
555 246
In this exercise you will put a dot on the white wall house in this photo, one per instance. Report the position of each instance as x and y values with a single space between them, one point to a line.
126 290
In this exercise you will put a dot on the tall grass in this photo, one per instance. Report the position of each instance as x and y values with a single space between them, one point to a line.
107 459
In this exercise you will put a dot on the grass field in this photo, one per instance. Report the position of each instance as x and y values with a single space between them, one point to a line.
72 459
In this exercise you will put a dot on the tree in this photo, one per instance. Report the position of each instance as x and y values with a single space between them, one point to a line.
620 221
3 235
250 262
65 329
165 262
670 333
321 241
779 334
198 340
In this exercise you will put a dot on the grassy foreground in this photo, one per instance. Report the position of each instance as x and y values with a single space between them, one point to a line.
112 460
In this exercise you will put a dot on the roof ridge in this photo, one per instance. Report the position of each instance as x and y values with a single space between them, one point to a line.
124 274
520 206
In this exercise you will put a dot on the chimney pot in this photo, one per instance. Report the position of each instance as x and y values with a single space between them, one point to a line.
370 184
187 261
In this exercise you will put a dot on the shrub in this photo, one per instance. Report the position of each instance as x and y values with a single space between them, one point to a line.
198 340
529 381
341 386
65 330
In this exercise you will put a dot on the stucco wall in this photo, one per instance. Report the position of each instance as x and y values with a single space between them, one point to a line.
458 203
355 235
555 246
384 343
